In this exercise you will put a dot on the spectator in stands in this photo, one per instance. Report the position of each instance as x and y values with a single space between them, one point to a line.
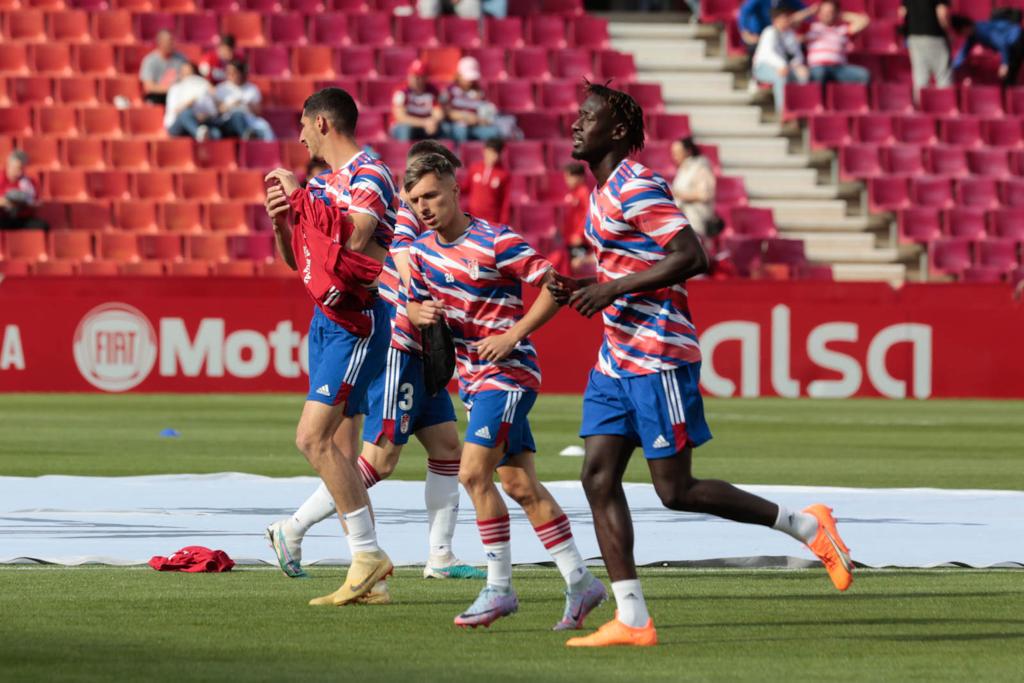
18 195
214 64
756 15
416 108
828 41
925 22
487 183
576 205
778 59
238 103
468 114
159 69
694 184
191 108
467 9
999 35
314 168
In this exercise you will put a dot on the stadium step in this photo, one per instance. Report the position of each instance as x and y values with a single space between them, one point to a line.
760 152
631 30
826 215
824 242
792 183
698 88
893 273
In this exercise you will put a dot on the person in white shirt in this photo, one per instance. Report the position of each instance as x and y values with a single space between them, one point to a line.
694 185
828 41
190 107
238 102
778 59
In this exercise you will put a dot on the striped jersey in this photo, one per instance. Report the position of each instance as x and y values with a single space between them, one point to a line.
404 335
631 219
479 279
363 185
827 45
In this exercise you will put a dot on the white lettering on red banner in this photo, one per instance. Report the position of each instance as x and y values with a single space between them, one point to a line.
12 355
115 347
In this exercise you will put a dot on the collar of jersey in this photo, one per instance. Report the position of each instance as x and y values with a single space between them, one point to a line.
462 238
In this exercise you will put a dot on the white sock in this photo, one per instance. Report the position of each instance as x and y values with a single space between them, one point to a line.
315 509
362 537
570 563
629 598
441 495
495 536
800 525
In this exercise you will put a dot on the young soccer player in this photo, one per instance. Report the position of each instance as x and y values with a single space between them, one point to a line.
644 389
397 407
355 205
470 273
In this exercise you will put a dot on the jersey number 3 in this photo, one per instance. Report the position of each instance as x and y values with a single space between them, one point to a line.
405 403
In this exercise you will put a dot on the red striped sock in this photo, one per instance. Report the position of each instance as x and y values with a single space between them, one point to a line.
369 474
494 530
446 468
555 532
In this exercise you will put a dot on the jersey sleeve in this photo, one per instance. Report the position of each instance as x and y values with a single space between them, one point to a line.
417 282
515 258
371 192
647 205
406 229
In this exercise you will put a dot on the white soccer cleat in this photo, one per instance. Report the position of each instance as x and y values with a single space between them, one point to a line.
287 548
451 568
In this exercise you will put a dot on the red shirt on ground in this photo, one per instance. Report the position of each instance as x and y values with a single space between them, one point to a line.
487 192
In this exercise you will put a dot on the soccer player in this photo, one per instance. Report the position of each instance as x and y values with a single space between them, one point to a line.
398 406
644 388
347 348
470 273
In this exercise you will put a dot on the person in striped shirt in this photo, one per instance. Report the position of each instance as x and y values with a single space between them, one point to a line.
827 42
470 274
644 390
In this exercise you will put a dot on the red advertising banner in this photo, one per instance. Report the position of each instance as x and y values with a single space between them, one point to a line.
828 340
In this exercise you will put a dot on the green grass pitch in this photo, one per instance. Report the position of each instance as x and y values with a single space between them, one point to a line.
97 623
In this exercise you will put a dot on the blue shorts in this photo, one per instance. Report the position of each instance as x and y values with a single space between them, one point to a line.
342 365
499 417
398 405
663 412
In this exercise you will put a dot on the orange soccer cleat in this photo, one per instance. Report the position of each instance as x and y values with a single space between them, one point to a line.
829 547
616 633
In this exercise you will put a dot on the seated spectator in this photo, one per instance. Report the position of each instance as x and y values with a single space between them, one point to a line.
694 184
214 64
18 196
238 102
487 183
467 9
828 41
756 15
416 108
998 35
577 205
159 69
778 59
315 167
191 110
468 114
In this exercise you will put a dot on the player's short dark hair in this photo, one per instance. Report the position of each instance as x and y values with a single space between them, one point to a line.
497 144
624 110
425 165
228 40
575 168
335 105
424 147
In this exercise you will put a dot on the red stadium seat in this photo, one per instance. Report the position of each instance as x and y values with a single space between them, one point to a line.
897 98
802 100
929 191
226 217
859 161
731 191
235 269
506 32
272 60
647 95
441 62
154 185
1002 132
160 247
25 25
888 194
206 247
915 129
15 121
128 154
200 186
658 156
751 221
69 26
173 154
120 86
176 6
13 58
981 100
589 31
254 247
618 66
200 28
329 28
380 91
97 268
416 31
129 57
547 31
184 217
997 253
983 274
1007 223
14 267
246 27
960 131
89 216
76 90
371 29
512 95
493 62
979 192
259 154
356 61
394 62
71 245
84 153
53 59
904 160
558 95
572 63
878 37
101 120
31 89
950 256
989 162
244 186
526 156
393 153
1011 191
850 98
142 269
967 222
118 246
872 128
287 28
148 24
262 6
307 7
529 63
313 61
144 122
65 184
458 32
54 268
220 154
939 101
114 27
29 245
136 216
919 224
828 131
946 161
539 125
43 152
669 126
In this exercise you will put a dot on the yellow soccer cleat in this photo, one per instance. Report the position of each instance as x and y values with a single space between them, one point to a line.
616 633
829 547
363 574
378 596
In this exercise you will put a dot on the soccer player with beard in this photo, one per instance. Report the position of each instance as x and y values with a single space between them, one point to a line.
644 389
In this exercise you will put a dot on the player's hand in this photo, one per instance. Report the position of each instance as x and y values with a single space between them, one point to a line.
289 183
593 298
496 347
430 312
277 205
561 287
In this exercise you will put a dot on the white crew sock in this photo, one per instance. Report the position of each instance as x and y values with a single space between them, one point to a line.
441 495
800 525
629 598
556 536
315 509
362 537
495 535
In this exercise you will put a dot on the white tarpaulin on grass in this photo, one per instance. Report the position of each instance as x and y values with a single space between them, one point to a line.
126 520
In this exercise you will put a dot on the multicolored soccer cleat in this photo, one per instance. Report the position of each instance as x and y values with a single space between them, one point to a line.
287 549
453 569
363 574
829 547
617 633
578 604
488 607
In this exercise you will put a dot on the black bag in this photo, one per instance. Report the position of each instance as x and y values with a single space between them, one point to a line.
438 356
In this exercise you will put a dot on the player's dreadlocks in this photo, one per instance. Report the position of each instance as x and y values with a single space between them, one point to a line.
625 110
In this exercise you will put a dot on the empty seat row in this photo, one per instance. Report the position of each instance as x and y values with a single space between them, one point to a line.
150 216
954 256
103 268
893 193
977 100
861 161
204 185
35 245
923 224
836 130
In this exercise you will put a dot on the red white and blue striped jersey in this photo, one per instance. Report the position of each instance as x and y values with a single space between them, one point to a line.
404 335
363 185
479 279
631 219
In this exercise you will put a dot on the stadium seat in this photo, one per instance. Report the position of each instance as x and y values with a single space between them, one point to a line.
29 245
120 86
53 59
945 161
102 120
246 27
25 25
966 222
983 274
802 100
54 268
929 191
84 153
588 31
31 89
254 247
1011 191
872 129
117 246
244 186
512 95
219 154
201 28
181 216
43 152
647 95
493 62
54 213
526 156
572 63
888 194
14 267
154 185
206 247
1002 132
1006 223
357 60
997 253
329 28
415 31
226 217
129 57
13 59
615 65
939 101
669 126
272 269
372 29
989 162
69 26
144 122
917 129
441 62
558 96
148 24
979 192
284 122
458 32
849 98
878 37
128 154
546 31
731 191
65 184
71 245
15 121
199 186
897 98
89 216
965 132
97 268
949 255
828 131
160 247
313 61
919 224
752 221
906 160
981 100
113 27
787 252
76 91
379 92
141 269
1015 101
272 60
259 154
859 161
529 63
394 62
505 33
287 28
234 269
172 154
136 215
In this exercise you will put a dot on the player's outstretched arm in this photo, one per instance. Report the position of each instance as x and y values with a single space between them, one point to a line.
497 347
684 258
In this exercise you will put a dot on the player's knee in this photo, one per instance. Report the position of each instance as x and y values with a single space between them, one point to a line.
519 489
385 467
472 478
597 481
682 496
313 446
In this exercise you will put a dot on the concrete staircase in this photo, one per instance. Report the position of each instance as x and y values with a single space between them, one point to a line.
696 80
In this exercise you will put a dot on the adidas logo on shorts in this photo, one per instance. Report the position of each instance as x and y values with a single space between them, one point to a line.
324 390
483 432
661 442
